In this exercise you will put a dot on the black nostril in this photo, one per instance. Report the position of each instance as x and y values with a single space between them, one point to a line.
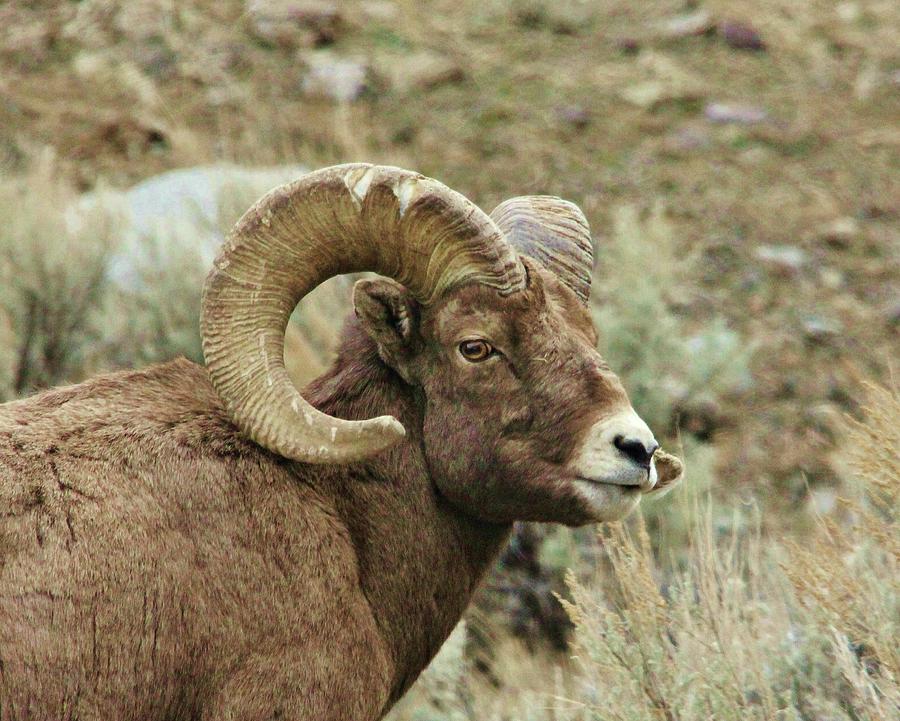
636 450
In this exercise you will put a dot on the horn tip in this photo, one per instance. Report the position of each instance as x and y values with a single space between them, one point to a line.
391 427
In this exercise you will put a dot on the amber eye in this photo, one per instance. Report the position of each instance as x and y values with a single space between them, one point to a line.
475 351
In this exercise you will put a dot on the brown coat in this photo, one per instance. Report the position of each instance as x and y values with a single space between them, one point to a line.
150 557
155 564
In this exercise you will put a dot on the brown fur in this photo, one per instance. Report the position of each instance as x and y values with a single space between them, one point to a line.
154 564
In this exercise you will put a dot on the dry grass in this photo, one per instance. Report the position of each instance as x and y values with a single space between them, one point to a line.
52 279
65 312
722 349
748 627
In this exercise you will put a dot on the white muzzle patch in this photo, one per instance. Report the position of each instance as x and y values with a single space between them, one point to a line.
602 459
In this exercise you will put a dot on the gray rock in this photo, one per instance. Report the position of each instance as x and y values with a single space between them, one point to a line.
735 113
698 22
650 94
577 116
687 138
180 206
340 79
292 23
831 278
821 330
849 12
666 81
421 70
382 11
822 501
788 259
741 36
839 232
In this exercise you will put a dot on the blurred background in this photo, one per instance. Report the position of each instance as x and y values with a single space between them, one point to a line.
738 163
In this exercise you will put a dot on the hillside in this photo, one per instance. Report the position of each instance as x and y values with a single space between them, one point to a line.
738 163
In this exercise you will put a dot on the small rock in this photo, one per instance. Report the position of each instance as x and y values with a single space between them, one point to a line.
732 113
741 36
645 94
849 12
698 22
140 21
650 94
291 24
892 313
558 18
629 46
821 330
422 70
787 259
575 115
687 138
831 278
666 81
839 232
379 10
822 501
339 79
26 44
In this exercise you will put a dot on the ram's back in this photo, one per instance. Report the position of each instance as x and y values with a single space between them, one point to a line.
129 547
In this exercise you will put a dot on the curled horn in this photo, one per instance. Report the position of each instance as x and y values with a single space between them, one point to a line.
342 219
554 232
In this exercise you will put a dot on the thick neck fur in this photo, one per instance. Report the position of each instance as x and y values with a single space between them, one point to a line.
420 559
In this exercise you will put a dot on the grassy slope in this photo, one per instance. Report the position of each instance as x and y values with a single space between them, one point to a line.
680 206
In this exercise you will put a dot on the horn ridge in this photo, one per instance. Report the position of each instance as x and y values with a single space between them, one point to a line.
554 232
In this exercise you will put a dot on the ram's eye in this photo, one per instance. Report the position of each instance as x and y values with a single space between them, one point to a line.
475 351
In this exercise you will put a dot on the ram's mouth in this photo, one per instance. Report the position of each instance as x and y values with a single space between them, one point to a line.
625 488
639 480
603 482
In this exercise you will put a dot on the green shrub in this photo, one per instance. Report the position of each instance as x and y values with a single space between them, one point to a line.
52 282
665 364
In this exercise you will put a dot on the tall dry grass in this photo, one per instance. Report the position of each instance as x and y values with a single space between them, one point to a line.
52 282
66 313
749 626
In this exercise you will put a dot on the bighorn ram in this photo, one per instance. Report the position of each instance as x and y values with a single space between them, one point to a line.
205 543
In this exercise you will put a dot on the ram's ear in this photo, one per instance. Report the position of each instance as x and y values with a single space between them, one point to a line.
389 315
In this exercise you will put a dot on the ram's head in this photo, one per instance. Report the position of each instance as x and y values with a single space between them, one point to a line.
486 318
